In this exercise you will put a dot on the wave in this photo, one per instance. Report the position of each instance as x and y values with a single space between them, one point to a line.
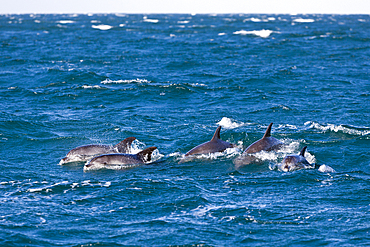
346 129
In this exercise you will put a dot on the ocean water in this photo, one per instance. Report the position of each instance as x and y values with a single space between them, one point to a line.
169 81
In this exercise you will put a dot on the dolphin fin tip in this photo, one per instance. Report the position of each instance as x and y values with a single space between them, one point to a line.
217 135
268 131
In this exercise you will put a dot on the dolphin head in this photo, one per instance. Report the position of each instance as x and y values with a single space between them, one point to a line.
295 162
291 163
98 161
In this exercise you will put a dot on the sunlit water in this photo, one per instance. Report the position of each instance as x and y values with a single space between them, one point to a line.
169 81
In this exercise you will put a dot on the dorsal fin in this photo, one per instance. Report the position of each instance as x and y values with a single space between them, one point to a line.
268 131
216 136
125 145
146 154
303 151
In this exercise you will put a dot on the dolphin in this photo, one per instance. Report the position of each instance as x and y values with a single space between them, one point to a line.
295 162
85 153
266 143
212 146
107 160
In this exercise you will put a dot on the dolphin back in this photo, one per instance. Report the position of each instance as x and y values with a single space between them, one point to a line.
125 145
146 154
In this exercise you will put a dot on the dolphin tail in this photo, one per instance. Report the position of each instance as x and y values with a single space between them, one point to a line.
303 151
125 145
146 154
217 136
268 131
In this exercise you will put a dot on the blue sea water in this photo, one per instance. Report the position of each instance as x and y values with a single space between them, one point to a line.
169 81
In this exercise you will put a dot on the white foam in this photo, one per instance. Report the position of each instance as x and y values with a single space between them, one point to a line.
109 81
326 169
66 22
145 19
301 20
110 167
102 27
183 22
35 190
227 123
87 86
337 128
255 19
228 153
261 33
221 34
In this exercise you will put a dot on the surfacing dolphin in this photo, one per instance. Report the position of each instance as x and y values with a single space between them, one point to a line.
212 146
107 160
85 153
266 143
295 162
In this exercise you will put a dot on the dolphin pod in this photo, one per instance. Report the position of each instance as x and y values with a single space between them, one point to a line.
107 155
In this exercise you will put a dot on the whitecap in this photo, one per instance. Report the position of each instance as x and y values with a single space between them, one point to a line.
90 87
301 20
221 34
102 27
66 22
227 123
337 128
109 81
145 19
35 190
255 19
183 22
261 33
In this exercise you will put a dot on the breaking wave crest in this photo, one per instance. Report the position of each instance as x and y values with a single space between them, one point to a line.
346 129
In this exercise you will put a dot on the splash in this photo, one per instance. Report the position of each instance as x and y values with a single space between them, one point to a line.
326 169
227 123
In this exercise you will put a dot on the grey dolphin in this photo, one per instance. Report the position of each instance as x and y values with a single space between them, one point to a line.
295 162
212 146
85 153
107 160
266 143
